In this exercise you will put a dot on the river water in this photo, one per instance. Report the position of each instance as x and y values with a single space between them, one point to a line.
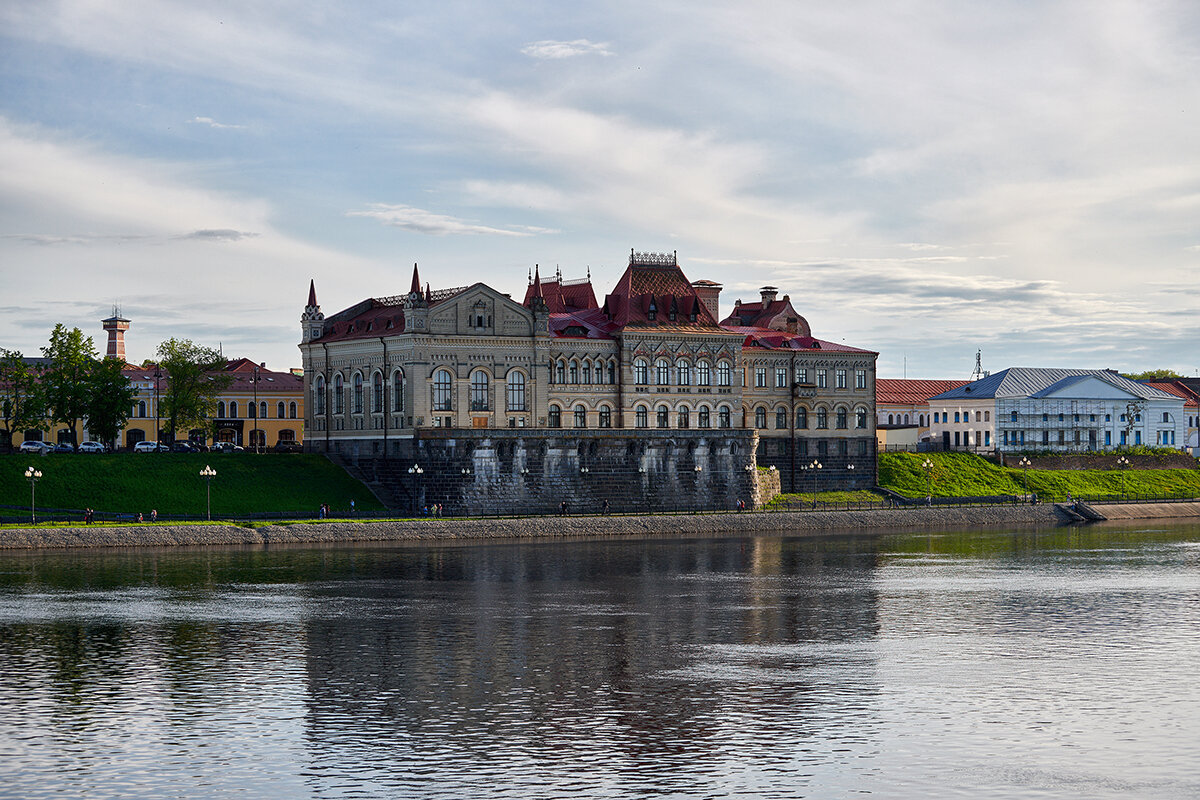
1050 664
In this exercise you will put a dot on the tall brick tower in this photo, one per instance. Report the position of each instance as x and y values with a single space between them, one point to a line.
116 325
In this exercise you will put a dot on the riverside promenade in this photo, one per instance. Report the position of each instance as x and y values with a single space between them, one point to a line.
467 528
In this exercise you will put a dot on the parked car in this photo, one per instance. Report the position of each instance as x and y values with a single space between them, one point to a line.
92 447
183 447
226 447
288 447
150 447
36 447
64 447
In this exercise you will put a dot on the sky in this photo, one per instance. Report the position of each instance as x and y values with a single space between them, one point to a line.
923 179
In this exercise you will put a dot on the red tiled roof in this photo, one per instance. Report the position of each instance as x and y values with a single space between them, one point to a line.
754 315
767 339
1179 390
562 296
369 319
905 392
660 289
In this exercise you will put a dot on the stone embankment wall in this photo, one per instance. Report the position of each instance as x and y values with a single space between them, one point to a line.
703 525
532 472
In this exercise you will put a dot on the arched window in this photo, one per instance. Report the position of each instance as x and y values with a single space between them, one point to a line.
683 418
604 418
781 419
662 417
921 420
339 394
441 390
142 408
683 373
580 416
358 393
377 393
479 391
292 410
1012 417
841 418
262 409
251 410
662 373
318 399
704 417
802 418
612 372
703 374
279 412
723 373
599 371
220 409
822 419
560 372
860 418
641 417
398 391
760 417
573 370
890 419
554 416
906 419
585 367
233 409
640 376
515 393
724 417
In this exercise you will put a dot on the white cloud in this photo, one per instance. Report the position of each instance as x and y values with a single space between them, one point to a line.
549 49
420 221
212 123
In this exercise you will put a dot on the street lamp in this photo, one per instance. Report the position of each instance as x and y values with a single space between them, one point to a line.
208 473
32 476
157 432
416 472
584 470
928 467
1122 463
255 415
1025 464
815 465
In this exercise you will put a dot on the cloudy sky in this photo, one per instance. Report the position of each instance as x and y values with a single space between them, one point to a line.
924 179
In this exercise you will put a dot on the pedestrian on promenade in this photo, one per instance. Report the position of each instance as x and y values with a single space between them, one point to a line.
139 518
154 515
604 507
562 508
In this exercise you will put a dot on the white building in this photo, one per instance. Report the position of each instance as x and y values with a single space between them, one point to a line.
1066 410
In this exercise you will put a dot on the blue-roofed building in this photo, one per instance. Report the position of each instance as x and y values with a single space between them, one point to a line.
1065 410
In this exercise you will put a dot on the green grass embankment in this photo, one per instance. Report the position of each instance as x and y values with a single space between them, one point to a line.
799 499
968 475
127 483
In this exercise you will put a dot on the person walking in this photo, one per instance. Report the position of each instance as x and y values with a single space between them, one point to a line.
154 515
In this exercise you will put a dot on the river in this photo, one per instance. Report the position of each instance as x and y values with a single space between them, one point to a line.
998 664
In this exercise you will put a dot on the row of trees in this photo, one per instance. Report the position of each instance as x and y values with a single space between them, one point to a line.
73 384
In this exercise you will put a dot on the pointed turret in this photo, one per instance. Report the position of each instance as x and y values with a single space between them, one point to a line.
312 321
415 288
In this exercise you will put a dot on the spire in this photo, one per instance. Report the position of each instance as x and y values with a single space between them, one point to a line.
312 293
537 283
428 294
416 282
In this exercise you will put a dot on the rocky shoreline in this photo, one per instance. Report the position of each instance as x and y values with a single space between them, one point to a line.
792 522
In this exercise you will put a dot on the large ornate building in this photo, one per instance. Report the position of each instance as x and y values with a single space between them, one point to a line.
651 366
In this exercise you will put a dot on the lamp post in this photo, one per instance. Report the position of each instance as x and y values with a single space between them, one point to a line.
815 466
256 410
208 473
1025 464
157 432
32 476
416 472
1122 463
928 467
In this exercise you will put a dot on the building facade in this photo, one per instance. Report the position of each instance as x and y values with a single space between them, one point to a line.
650 368
1062 410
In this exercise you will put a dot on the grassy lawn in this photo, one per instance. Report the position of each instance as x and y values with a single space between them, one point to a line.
967 475
798 499
170 482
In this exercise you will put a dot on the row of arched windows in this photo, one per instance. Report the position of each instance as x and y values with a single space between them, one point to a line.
583 371
682 372
683 417
230 410
820 418
897 419
337 394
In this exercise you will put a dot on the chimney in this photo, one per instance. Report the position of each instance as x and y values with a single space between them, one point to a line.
793 325
709 293
768 295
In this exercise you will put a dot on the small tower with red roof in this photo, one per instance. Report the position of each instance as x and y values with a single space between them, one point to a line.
312 321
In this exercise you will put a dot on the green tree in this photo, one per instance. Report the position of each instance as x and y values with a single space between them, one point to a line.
21 399
64 379
110 399
193 383
1153 375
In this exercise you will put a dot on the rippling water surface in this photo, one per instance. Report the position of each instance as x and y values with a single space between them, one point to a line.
1059 664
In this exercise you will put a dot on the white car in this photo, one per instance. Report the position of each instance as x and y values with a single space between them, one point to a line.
92 447
149 447
36 447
